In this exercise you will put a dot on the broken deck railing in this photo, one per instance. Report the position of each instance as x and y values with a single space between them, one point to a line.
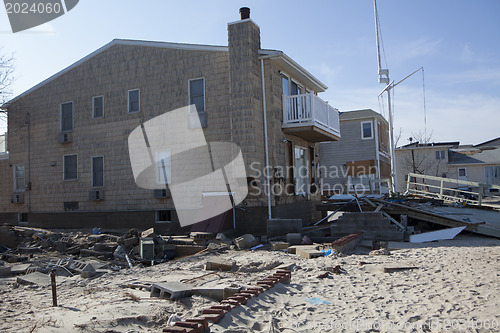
449 189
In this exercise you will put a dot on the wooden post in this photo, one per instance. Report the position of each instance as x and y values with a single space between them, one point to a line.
53 283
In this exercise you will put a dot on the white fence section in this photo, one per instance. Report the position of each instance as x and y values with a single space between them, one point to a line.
450 189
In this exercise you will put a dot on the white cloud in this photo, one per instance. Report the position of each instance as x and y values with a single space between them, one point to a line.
416 48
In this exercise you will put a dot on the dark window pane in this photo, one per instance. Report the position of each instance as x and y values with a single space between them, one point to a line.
66 117
97 171
70 167
133 101
286 87
98 107
197 94
367 130
199 101
196 87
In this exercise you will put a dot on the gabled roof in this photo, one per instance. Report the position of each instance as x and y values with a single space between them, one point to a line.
490 143
288 63
430 145
488 156
360 114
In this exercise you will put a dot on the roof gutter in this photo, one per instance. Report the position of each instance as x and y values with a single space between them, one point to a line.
296 66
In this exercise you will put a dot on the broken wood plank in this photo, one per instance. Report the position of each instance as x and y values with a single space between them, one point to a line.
392 269
386 215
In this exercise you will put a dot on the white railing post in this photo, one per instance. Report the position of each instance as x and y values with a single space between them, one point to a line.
312 111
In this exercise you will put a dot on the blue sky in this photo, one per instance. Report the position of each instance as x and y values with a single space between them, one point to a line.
456 41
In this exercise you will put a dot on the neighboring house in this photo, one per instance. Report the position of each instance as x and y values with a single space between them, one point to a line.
360 156
68 162
429 159
476 163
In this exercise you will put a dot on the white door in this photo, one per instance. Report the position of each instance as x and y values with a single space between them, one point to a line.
301 171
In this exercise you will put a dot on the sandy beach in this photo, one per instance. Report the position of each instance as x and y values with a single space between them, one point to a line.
451 285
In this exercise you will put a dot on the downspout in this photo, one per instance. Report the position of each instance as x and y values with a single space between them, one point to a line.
266 140
377 153
29 162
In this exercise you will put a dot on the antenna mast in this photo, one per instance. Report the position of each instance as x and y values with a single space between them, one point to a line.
383 77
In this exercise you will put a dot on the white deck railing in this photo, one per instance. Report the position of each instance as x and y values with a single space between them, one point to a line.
309 109
3 145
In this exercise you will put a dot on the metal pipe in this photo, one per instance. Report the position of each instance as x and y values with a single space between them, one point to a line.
266 139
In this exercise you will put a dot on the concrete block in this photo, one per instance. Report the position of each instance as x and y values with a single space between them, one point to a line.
218 264
198 235
294 238
218 293
309 253
20 269
11 258
280 246
245 242
172 290
4 271
293 249
188 250
92 253
277 227
34 278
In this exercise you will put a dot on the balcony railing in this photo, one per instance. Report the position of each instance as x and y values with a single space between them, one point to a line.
3 146
308 110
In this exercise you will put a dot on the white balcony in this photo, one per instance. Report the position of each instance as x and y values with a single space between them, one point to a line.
3 147
310 118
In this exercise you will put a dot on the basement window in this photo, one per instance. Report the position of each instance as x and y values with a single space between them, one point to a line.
163 216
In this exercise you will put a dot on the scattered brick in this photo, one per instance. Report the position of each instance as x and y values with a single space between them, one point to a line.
198 328
199 320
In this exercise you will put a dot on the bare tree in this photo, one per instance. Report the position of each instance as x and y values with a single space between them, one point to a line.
6 80
421 137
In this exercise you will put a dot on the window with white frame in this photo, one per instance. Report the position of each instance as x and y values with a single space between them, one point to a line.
19 178
98 107
366 130
70 167
440 154
197 97
462 173
134 101
67 117
98 171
